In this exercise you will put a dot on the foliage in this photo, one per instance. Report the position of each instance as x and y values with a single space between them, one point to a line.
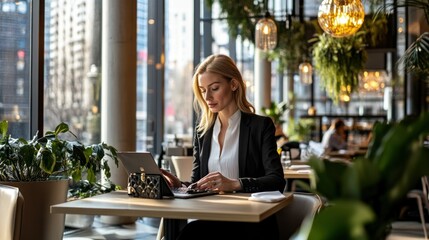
376 29
339 62
50 156
293 48
84 189
276 111
416 57
372 187
300 131
241 16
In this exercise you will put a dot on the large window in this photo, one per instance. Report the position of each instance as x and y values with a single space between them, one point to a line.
73 34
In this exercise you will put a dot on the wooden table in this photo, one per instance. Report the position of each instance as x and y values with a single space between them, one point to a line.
347 154
221 207
297 174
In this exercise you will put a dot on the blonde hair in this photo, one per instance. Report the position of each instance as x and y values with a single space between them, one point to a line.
224 66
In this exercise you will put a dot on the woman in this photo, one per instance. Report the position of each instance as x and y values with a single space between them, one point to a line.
234 149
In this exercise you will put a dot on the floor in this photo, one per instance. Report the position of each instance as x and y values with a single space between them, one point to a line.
406 230
142 229
147 229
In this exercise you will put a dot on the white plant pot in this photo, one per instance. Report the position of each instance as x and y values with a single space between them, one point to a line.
79 221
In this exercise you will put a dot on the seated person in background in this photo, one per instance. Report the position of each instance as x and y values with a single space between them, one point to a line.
335 138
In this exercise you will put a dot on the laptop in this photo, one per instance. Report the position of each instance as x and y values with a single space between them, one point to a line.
135 162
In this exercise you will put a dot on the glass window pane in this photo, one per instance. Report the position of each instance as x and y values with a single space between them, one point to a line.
143 141
179 70
15 58
72 66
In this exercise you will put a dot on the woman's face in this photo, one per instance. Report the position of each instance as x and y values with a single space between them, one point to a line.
217 92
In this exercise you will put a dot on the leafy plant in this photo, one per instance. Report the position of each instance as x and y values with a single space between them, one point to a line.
362 196
50 156
416 57
300 130
276 111
339 62
241 16
293 47
84 189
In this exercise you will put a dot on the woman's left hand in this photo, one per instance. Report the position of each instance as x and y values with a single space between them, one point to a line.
172 180
215 181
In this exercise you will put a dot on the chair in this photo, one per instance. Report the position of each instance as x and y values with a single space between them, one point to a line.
292 149
183 166
291 217
422 198
11 207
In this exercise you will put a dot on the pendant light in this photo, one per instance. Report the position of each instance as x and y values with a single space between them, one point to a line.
372 81
266 33
341 18
306 73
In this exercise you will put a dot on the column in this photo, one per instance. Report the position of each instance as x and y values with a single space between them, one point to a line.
119 54
262 80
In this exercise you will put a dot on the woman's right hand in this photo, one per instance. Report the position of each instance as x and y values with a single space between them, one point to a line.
172 180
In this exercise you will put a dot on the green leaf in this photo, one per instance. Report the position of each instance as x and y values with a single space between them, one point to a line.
47 160
27 152
61 128
3 128
91 177
350 218
329 177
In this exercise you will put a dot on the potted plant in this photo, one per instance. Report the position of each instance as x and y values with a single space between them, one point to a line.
42 169
363 198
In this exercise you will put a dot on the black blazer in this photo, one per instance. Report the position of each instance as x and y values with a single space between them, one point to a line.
259 162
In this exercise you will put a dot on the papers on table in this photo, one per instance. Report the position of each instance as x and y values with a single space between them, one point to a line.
299 167
269 196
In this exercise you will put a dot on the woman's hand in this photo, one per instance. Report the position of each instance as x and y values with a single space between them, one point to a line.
215 181
172 180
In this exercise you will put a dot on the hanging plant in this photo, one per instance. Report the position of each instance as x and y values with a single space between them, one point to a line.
339 62
241 16
288 52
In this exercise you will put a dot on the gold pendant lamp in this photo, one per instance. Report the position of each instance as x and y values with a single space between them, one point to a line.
266 33
306 73
341 18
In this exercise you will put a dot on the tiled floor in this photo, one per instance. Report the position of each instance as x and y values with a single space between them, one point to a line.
147 229
143 229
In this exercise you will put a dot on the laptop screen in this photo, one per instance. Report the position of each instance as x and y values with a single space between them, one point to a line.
136 162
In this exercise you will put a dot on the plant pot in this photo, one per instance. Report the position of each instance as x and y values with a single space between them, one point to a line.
38 223
78 220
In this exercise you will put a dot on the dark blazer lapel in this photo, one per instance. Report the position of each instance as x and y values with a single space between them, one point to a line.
207 140
243 142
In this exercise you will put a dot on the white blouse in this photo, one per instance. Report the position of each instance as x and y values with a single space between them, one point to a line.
226 162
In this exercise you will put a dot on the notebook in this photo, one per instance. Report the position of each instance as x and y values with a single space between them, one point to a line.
135 161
